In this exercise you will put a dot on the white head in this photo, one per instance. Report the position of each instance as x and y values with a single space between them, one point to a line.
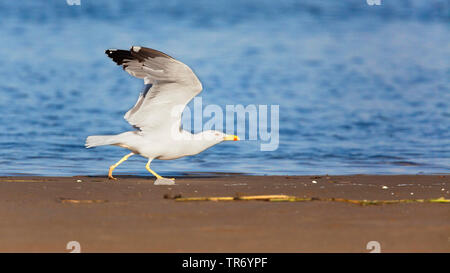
207 139
217 136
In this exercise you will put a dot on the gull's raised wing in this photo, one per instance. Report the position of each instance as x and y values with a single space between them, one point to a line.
169 86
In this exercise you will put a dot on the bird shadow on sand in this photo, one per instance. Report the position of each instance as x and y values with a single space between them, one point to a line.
196 175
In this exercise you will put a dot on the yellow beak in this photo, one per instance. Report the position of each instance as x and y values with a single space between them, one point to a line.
231 137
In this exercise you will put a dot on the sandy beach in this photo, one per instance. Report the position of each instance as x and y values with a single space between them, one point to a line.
42 214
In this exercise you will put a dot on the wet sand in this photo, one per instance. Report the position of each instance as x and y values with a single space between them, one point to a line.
132 215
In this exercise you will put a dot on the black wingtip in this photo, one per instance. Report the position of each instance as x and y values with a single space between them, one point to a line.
137 53
118 55
110 52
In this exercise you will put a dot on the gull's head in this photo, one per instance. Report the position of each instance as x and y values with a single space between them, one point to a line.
218 136
207 139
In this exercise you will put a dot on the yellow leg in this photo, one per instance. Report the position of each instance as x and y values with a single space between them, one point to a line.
111 169
153 172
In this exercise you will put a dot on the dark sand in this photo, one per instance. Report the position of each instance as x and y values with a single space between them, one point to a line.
136 217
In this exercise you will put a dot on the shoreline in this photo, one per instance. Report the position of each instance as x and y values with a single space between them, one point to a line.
42 214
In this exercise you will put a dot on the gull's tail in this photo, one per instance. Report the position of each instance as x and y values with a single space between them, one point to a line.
93 141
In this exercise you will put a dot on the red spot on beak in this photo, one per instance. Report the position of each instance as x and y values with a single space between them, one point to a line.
235 138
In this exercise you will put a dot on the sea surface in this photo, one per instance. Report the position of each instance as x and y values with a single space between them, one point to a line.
361 89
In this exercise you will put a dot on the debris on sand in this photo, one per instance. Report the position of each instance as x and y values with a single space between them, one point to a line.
80 201
287 198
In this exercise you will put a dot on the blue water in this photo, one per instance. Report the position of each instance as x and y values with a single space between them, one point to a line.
361 89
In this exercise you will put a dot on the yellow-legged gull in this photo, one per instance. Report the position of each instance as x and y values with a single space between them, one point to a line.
169 86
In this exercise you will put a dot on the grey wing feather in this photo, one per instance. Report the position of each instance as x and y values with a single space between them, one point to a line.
169 83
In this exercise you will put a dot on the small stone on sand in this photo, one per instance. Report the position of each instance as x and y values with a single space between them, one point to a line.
164 181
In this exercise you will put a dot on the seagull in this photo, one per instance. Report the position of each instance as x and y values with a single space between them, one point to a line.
169 85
